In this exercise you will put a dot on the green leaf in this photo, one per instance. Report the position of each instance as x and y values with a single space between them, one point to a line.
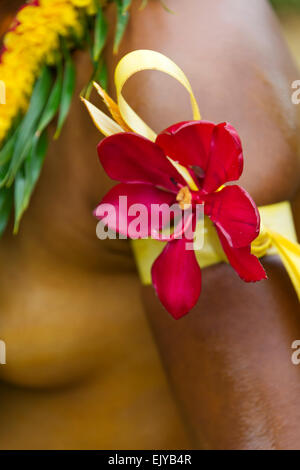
27 177
3 174
34 163
19 193
7 150
101 29
122 20
6 200
29 123
53 102
101 75
67 94
126 5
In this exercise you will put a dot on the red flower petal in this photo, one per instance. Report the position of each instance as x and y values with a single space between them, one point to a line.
119 221
176 277
225 159
130 158
188 142
235 214
245 264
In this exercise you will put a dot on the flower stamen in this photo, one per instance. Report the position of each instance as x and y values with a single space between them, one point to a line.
184 198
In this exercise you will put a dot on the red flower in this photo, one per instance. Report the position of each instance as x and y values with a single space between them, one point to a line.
213 156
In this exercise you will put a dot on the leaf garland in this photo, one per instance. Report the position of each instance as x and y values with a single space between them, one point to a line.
68 86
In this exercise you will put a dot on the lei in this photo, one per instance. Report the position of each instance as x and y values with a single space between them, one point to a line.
38 75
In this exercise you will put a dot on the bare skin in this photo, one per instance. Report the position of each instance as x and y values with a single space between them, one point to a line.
70 308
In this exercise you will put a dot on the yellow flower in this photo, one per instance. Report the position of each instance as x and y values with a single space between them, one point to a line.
83 3
34 41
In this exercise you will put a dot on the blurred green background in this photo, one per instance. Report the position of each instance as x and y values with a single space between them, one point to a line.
286 4
289 15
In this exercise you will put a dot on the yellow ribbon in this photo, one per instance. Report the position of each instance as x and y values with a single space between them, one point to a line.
137 61
277 234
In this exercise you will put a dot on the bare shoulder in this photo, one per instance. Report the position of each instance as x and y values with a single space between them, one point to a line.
220 358
241 72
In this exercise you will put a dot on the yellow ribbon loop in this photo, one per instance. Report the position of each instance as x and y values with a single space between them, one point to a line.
129 65
137 61
261 244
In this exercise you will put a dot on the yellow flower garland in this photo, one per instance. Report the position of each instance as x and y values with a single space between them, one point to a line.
31 42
